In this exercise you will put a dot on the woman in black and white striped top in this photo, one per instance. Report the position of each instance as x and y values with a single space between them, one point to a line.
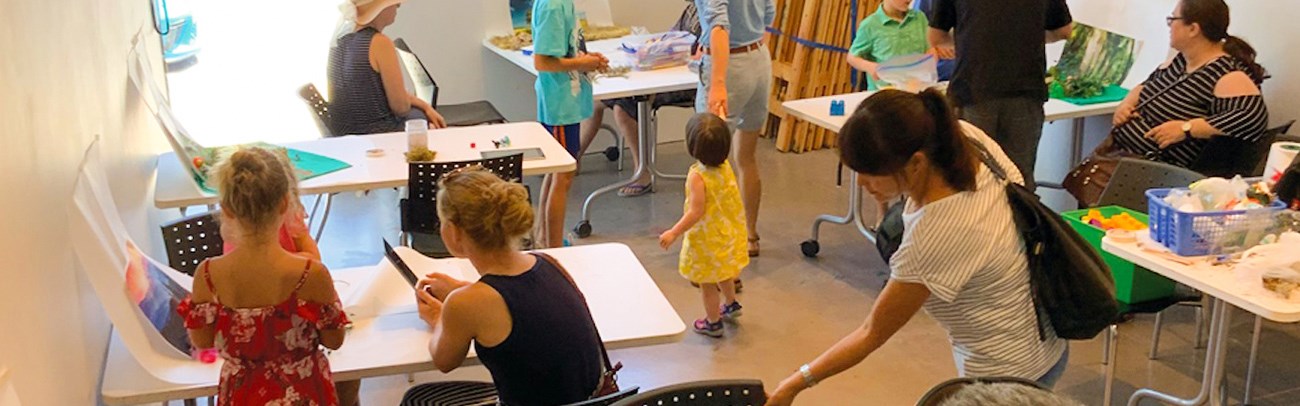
1211 88
961 258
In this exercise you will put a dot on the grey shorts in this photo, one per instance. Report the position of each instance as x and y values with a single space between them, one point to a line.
749 83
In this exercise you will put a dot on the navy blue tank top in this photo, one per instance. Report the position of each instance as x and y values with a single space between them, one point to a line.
551 356
358 103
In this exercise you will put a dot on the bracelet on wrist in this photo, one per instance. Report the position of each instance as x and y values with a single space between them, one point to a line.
808 379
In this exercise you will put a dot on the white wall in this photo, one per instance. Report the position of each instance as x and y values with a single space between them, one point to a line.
63 80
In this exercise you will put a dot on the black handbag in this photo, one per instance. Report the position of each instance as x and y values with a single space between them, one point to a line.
1071 286
889 234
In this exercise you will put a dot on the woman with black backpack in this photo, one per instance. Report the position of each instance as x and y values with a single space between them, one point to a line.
961 256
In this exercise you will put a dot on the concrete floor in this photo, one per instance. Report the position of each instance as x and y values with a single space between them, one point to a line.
796 307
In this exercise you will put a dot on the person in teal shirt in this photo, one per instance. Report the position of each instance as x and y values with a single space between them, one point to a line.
564 99
895 29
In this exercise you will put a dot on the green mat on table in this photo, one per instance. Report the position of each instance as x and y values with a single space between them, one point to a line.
1112 93
306 165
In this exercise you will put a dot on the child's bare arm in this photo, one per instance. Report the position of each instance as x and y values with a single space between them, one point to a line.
319 288
580 63
695 199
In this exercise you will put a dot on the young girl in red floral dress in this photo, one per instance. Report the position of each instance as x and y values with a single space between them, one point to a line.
268 311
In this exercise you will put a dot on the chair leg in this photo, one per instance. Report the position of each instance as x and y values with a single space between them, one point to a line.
1155 335
329 200
191 402
1111 348
1254 352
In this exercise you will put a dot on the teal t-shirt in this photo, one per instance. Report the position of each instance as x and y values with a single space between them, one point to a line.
881 38
563 98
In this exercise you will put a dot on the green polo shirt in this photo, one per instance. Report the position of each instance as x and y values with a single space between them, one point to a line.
881 38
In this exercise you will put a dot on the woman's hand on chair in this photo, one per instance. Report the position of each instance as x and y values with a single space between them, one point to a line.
435 119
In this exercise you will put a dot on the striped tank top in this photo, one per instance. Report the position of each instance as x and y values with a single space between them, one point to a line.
358 102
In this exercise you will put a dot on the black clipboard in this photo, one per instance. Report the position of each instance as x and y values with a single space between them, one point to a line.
401 266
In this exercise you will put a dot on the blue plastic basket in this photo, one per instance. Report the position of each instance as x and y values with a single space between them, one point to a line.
1194 234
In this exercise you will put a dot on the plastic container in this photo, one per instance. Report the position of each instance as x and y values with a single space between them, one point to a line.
1195 234
1133 284
417 134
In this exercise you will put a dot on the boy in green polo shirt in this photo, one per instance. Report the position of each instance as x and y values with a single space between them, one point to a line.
895 29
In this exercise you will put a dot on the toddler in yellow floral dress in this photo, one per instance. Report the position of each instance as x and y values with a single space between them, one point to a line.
714 249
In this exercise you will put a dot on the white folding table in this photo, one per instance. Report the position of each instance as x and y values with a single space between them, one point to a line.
817 111
1220 285
388 337
174 188
639 85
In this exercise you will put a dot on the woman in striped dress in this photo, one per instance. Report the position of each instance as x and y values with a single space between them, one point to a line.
961 258
367 92
1210 89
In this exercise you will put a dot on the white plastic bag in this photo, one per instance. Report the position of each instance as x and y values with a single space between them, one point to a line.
1278 264
666 50
912 73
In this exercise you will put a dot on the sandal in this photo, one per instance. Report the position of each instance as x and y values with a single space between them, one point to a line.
634 190
753 246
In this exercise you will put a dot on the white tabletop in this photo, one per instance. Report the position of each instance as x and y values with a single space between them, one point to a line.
817 110
638 83
628 307
1216 281
174 187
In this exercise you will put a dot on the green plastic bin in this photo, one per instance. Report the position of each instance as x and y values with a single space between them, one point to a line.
1133 284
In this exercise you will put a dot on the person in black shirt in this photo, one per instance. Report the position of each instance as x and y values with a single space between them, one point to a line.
1001 62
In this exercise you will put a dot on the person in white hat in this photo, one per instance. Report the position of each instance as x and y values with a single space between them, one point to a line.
366 88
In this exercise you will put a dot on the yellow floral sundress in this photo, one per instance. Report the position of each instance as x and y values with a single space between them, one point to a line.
716 248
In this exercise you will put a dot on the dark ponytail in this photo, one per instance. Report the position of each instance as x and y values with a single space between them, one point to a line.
949 148
1213 17
1240 50
892 125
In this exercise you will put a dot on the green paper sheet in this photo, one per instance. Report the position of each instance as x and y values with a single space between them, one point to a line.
306 165
1111 93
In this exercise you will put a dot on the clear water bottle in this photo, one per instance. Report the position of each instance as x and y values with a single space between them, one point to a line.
417 134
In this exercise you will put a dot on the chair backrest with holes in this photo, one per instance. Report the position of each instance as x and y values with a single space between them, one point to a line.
191 240
735 392
420 208
319 108
1133 176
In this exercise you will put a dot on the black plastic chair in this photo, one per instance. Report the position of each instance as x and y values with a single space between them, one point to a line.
1226 157
608 399
191 240
1133 176
419 210
456 115
319 107
738 392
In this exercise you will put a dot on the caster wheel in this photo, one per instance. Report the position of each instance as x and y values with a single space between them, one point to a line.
810 248
612 154
583 229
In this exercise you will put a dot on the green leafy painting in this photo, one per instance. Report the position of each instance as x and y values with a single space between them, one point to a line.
1093 60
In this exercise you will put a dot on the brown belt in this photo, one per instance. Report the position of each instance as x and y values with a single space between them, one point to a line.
740 49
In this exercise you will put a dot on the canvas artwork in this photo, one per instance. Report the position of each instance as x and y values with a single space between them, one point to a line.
1093 61
157 295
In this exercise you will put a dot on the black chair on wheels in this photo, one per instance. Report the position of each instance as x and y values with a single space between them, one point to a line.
740 392
456 115
419 210
191 240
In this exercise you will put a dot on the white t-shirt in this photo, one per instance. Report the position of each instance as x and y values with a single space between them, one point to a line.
965 249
